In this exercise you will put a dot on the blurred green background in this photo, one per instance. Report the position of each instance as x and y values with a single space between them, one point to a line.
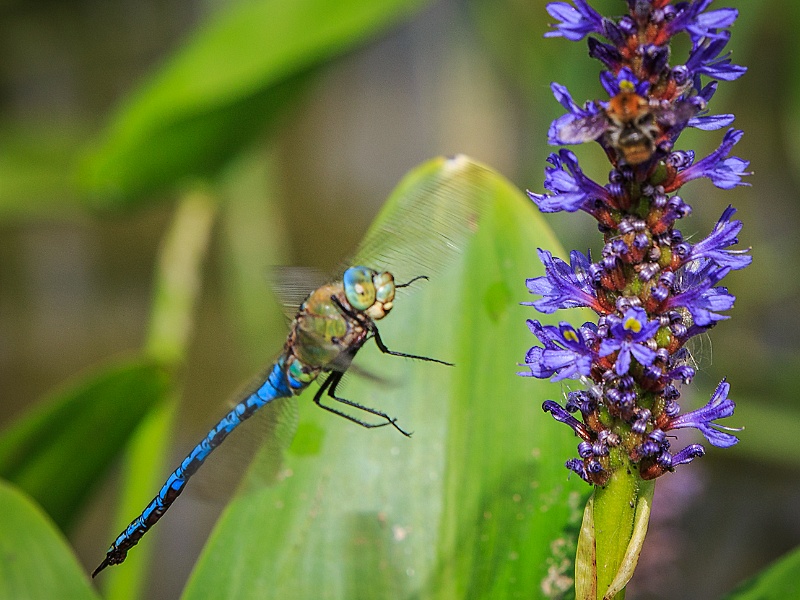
78 245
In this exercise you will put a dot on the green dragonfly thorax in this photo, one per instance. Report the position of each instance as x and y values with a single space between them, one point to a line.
333 322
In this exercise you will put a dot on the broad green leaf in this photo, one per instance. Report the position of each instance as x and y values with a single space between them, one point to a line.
56 451
776 582
256 238
35 560
235 77
477 503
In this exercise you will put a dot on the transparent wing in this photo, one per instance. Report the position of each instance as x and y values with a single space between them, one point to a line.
292 285
584 129
427 219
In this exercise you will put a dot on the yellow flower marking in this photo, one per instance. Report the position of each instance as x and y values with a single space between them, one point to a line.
570 335
631 324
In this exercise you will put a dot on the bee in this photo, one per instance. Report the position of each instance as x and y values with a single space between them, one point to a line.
631 125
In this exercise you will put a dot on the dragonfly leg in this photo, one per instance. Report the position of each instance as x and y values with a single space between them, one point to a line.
382 347
373 329
330 385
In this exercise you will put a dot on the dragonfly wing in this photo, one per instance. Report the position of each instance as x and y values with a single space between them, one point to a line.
428 218
270 435
292 285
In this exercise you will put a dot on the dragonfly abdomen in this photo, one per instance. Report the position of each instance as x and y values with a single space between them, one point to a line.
277 385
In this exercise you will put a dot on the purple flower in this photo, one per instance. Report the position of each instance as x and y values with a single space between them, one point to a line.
576 22
699 297
572 190
576 466
629 337
725 173
704 59
567 352
605 53
625 79
559 414
652 290
698 25
707 122
562 285
710 122
719 407
687 455
713 247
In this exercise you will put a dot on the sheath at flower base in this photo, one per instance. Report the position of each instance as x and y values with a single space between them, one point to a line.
651 289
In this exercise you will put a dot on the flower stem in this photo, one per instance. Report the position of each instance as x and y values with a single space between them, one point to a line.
612 534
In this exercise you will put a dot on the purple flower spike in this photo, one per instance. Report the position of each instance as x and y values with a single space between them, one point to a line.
652 289
719 407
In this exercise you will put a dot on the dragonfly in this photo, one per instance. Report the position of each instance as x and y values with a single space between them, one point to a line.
335 321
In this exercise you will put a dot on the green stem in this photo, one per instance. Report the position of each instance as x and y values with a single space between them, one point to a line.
178 277
613 531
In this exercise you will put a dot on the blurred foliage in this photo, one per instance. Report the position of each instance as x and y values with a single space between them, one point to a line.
249 110
57 446
37 562
775 583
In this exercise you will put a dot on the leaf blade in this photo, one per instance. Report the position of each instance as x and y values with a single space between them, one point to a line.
371 514
36 561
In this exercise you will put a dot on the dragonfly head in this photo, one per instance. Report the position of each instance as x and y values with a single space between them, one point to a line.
369 291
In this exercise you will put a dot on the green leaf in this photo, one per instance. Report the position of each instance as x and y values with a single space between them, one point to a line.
477 503
56 451
35 560
235 77
256 239
776 582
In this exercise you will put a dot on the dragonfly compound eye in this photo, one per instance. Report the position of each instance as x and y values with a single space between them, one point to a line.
359 287
384 295
384 287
